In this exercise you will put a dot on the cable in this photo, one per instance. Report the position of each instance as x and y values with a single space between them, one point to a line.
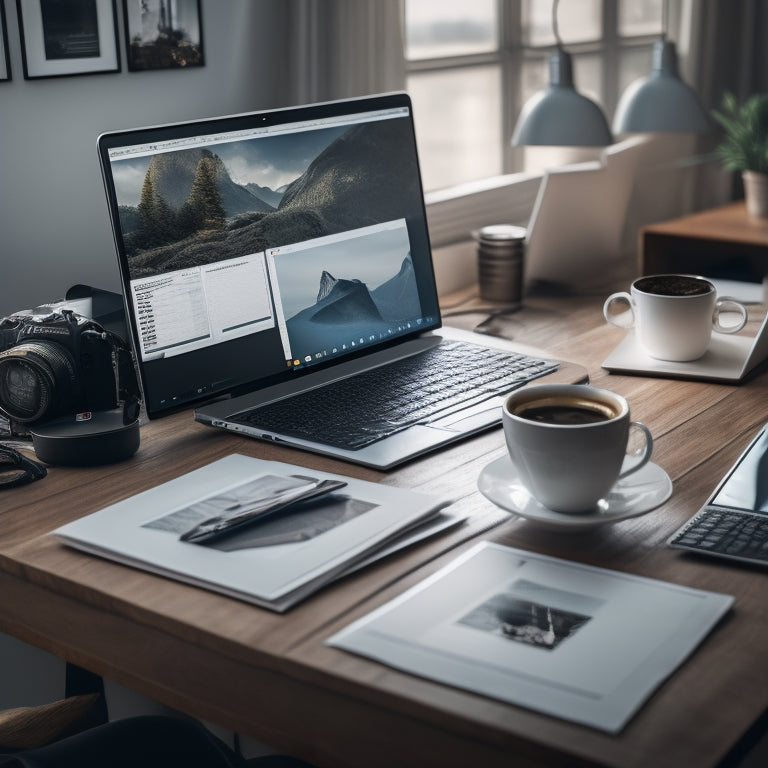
16 469
555 28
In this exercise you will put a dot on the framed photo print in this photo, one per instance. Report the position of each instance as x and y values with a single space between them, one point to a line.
68 37
163 34
5 61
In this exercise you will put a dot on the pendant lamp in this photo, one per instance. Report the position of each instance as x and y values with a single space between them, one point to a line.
560 116
662 101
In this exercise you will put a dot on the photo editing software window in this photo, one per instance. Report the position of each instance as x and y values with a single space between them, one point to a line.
249 254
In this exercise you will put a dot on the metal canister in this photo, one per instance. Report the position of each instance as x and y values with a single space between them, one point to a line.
500 255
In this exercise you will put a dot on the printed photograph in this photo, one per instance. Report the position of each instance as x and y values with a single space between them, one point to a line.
524 621
70 29
163 34
301 521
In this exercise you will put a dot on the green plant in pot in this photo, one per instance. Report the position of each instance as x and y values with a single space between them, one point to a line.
745 146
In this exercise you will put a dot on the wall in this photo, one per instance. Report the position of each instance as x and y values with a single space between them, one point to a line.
54 225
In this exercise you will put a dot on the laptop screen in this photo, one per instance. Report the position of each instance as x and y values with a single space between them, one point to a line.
259 247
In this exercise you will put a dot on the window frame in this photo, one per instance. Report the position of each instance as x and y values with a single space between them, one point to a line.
513 54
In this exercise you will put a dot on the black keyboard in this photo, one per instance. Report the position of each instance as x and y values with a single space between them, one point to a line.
357 411
726 533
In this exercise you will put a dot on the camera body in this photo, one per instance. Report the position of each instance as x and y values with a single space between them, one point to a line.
60 363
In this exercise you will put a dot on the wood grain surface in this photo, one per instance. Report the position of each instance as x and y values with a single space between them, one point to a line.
271 676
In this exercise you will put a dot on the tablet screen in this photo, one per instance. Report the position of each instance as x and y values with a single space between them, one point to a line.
746 486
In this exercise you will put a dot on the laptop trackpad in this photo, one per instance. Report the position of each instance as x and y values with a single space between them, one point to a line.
484 415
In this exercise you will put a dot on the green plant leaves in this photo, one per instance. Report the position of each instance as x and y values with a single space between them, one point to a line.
745 146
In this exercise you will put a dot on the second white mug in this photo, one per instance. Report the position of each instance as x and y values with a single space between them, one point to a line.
673 315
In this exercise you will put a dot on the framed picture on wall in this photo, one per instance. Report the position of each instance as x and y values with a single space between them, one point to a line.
163 34
68 37
5 61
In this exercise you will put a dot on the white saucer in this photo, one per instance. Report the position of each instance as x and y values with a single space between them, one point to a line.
635 495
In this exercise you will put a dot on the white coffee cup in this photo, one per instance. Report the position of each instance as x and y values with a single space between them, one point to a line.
568 443
673 315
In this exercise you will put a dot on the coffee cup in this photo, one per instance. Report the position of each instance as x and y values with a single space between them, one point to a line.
568 443
673 315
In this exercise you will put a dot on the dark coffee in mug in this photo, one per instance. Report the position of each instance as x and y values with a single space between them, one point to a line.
673 285
565 411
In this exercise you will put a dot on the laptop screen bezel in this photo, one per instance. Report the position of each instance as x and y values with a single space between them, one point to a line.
116 139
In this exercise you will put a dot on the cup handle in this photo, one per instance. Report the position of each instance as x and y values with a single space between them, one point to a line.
647 450
729 305
619 318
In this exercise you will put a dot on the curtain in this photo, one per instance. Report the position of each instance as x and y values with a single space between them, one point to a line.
721 45
344 48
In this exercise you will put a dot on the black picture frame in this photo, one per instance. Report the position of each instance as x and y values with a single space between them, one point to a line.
61 38
163 34
5 59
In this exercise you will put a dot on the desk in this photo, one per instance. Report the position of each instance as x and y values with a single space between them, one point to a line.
722 242
271 676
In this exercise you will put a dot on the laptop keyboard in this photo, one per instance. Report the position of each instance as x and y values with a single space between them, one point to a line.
739 535
362 409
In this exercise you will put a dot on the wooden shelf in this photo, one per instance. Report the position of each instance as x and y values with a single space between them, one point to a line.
723 242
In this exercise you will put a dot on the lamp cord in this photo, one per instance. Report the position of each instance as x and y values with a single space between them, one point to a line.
555 28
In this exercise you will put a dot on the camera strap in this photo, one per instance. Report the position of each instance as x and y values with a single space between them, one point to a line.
16 469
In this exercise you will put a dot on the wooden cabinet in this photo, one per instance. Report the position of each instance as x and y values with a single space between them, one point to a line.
722 242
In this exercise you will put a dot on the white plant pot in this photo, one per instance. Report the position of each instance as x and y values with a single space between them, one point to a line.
756 193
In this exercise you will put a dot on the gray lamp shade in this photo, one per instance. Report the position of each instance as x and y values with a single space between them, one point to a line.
560 116
662 101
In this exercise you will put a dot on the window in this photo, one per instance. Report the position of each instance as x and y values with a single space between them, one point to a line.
472 64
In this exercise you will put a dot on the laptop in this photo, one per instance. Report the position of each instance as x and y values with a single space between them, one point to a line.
266 255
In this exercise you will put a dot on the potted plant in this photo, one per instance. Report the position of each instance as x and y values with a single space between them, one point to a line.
745 146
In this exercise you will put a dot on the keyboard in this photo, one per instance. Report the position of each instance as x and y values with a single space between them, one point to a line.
362 409
726 533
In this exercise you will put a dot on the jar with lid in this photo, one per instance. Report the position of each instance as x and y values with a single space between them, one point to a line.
500 255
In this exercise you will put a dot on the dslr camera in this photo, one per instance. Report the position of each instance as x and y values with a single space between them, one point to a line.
58 363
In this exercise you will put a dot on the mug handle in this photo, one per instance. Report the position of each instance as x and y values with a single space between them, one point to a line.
645 458
726 304
619 318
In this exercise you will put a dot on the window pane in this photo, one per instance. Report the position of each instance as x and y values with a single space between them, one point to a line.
535 77
577 21
436 28
458 124
633 63
588 76
640 17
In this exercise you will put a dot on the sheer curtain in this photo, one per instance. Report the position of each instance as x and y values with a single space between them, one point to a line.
344 48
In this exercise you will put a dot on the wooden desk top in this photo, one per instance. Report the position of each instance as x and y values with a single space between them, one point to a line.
271 676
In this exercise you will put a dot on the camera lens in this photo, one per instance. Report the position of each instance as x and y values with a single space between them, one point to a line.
34 376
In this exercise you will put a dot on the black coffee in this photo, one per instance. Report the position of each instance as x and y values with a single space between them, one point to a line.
563 414
673 285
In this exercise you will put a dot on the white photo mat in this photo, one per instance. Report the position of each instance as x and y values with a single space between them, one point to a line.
570 640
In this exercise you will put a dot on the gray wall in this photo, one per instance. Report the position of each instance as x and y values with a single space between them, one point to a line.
54 225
